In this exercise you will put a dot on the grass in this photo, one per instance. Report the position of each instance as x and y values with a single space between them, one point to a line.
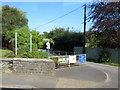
33 54
108 63
112 64
6 53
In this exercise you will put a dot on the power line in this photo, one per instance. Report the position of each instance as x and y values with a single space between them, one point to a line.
58 17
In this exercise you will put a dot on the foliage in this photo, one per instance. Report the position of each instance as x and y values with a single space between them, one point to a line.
105 17
15 21
26 48
12 18
92 41
23 36
64 39
104 56
113 64
38 38
91 60
6 53
33 54
0 21
55 59
107 63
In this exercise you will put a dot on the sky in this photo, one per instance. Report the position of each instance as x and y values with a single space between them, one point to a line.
39 13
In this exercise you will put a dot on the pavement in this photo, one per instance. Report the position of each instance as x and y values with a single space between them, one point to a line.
89 75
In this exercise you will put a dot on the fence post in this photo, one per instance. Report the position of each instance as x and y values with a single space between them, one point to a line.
74 53
59 53
65 53
15 43
30 42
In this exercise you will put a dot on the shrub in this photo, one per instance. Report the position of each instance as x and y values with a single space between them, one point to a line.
6 53
91 60
24 52
33 54
26 48
55 59
104 56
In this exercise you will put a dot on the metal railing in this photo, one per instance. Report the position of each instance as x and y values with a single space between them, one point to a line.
59 53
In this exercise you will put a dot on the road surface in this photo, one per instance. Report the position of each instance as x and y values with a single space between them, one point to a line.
90 75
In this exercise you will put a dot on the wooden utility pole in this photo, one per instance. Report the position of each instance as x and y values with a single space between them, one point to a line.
84 29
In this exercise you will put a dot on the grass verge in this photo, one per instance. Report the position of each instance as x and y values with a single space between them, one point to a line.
112 64
4 53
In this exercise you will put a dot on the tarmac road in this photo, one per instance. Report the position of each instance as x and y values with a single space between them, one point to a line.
112 73
90 75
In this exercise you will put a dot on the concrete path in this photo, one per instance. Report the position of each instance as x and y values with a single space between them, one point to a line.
90 75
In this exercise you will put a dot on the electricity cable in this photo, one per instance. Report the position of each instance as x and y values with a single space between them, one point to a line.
59 17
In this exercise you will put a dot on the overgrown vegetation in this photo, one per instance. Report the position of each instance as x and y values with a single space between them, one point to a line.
15 21
65 39
113 64
107 63
105 17
104 57
35 54
6 53
12 18
104 33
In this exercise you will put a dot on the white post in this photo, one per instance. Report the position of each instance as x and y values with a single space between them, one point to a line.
30 42
15 43
69 62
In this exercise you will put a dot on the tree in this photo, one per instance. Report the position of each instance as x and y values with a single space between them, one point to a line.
91 41
0 27
23 36
12 18
105 17
65 39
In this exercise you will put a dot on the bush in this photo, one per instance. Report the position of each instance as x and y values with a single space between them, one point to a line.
33 54
91 60
104 56
24 52
6 53
55 59
26 48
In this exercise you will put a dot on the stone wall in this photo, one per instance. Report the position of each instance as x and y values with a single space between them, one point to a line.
28 66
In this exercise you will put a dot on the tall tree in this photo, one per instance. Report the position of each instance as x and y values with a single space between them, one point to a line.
105 17
23 37
65 40
12 18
